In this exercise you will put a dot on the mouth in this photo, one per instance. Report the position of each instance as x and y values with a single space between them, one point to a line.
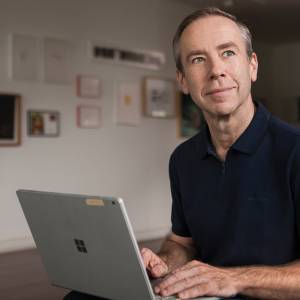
219 91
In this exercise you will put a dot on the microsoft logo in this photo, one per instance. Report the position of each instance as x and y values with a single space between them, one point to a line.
80 246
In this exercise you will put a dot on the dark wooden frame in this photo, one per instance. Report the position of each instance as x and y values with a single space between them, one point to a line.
10 119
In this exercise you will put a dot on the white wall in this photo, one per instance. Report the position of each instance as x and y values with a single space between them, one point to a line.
130 162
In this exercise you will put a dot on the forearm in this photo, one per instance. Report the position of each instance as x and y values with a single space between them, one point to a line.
263 282
174 254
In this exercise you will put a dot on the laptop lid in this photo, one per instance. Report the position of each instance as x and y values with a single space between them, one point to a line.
87 244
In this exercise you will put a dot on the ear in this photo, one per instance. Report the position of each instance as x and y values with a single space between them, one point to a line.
253 67
182 82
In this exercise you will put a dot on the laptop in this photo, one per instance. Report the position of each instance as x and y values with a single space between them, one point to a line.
87 244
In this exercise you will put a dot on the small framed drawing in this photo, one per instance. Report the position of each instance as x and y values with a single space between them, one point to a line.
58 56
88 116
190 118
24 57
10 119
87 87
128 104
159 97
43 123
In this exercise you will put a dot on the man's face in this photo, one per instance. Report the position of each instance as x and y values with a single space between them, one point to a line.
217 71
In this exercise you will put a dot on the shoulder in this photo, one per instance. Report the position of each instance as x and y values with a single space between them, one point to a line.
188 148
283 132
284 140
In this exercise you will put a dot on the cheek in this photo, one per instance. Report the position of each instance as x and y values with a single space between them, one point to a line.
242 75
195 81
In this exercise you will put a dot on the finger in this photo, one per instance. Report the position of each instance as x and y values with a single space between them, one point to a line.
179 276
146 256
182 285
202 289
154 264
158 270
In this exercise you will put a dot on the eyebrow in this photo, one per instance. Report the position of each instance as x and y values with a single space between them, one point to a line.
227 45
219 47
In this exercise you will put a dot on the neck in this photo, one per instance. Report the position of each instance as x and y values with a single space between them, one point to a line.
225 130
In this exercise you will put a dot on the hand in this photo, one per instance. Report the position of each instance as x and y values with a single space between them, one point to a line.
153 263
198 279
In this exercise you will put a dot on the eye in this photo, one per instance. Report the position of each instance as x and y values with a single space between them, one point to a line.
198 60
228 53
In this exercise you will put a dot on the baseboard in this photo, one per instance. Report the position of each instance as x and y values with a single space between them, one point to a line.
16 244
28 242
156 233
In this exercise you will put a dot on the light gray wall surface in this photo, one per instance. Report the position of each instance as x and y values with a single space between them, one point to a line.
130 162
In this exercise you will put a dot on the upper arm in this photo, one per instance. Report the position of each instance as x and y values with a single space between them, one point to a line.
186 242
179 223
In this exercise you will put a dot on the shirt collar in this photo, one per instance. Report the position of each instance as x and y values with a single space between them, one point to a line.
250 139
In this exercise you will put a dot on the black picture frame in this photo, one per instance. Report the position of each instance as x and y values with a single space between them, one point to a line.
10 119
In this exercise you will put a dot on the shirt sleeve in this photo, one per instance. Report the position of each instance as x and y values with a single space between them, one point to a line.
179 224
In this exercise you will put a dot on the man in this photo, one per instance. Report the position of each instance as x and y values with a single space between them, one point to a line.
236 185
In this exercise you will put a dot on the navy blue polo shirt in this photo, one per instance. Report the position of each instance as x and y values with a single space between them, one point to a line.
245 210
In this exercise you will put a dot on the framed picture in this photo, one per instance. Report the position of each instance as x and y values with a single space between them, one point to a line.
24 57
87 86
88 116
190 117
116 54
159 97
43 123
128 104
10 119
57 61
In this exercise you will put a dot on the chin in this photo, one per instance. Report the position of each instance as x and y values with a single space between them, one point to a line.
223 109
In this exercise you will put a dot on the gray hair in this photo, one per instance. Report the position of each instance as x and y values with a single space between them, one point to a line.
202 13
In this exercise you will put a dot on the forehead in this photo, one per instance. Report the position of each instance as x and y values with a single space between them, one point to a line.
211 31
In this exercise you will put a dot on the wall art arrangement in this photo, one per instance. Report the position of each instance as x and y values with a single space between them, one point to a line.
43 123
128 104
189 117
10 119
50 60
159 97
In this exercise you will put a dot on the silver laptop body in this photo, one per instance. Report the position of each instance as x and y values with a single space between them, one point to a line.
87 244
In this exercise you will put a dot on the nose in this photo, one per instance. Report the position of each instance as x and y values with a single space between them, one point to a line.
216 68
